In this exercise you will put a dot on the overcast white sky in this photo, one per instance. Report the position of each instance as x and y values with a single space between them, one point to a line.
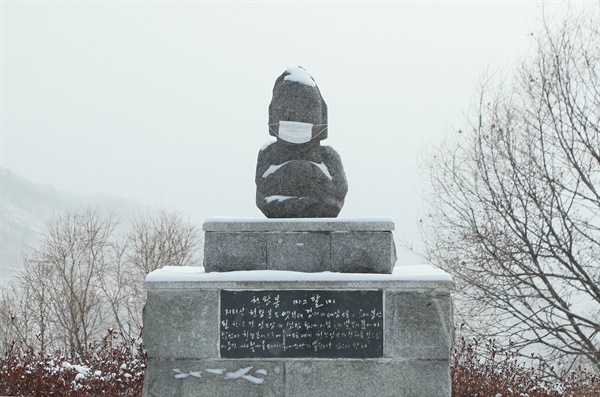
166 102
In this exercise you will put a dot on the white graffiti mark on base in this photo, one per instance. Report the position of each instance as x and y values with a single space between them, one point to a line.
253 379
238 374
182 375
242 373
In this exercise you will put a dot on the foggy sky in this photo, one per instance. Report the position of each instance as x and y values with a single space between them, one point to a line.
166 102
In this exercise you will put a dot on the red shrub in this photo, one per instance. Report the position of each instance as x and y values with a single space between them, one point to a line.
499 373
104 371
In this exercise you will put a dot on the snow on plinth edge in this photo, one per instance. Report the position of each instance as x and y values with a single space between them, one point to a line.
197 274
226 219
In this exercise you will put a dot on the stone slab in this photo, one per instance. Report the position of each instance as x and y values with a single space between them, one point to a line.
421 278
367 378
362 252
298 251
298 378
404 278
230 378
313 245
182 324
418 325
235 251
222 224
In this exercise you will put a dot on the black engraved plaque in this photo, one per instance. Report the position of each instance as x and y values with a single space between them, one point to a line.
301 323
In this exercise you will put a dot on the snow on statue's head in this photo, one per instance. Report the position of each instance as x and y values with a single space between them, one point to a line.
297 112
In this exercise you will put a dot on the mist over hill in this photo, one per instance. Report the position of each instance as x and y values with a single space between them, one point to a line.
26 207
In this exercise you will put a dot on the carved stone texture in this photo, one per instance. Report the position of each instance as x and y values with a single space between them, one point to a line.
296 177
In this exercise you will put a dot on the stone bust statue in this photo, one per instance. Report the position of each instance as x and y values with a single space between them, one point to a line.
296 177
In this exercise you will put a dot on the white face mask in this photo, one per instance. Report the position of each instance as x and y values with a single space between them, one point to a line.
295 131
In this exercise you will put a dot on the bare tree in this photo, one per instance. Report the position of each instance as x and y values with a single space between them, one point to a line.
515 201
156 239
55 301
162 238
24 317
87 279
29 308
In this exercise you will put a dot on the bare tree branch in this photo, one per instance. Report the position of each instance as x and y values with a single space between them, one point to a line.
515 205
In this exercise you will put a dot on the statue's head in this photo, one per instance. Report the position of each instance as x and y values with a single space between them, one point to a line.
297 113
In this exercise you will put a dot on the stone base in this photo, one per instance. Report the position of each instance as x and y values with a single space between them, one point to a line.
183 331
318 378
304 245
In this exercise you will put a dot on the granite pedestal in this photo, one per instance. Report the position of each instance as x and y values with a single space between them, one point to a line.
352 245
330 334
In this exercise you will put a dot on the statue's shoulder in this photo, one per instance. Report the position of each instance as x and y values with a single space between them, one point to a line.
267 147
329 152
269 150
272 154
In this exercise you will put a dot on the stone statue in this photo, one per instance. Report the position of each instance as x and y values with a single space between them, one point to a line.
296 177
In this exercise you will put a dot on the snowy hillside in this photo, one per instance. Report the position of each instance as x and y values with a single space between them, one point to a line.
25 207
